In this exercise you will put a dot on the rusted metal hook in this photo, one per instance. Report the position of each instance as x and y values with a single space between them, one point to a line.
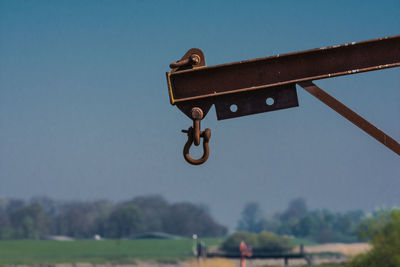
206 134
194 134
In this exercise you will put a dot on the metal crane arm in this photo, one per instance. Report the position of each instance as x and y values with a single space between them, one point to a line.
266 84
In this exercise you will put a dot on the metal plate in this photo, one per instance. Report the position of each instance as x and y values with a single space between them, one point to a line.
259 101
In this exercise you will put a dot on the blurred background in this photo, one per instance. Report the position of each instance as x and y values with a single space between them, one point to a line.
86 125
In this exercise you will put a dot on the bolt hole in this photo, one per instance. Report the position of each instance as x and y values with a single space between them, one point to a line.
270 101
233 108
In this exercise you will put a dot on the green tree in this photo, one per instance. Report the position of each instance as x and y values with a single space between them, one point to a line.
383 231
155 209
6 232
73 220
296 210
251 219
271 224
186 219
231 244
269 242
305 226
124 221
265 242
29 221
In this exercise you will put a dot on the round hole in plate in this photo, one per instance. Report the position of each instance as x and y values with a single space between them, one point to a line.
233 108
270 101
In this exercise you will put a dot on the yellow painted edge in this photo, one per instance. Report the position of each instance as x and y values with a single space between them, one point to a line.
171 96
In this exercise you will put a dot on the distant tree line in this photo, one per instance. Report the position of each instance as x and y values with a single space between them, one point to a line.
43 216
321 226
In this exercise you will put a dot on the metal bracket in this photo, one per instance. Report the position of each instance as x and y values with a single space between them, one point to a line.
247 103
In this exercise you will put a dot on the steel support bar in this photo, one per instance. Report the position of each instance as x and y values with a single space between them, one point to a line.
326 62
353 117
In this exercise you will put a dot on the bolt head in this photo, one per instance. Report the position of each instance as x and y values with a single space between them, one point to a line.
195 58
197 113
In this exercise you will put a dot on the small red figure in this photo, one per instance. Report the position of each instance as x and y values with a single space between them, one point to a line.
245 251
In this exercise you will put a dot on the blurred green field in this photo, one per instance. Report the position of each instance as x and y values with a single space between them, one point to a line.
103 251
121 251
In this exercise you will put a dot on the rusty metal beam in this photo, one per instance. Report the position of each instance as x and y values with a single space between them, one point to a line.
353 117
243 76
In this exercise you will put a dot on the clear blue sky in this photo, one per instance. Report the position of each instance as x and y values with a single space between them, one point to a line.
85 114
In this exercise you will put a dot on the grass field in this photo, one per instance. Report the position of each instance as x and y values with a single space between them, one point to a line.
122 251
104 251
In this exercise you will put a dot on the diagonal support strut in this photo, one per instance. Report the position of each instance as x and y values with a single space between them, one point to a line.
353 117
